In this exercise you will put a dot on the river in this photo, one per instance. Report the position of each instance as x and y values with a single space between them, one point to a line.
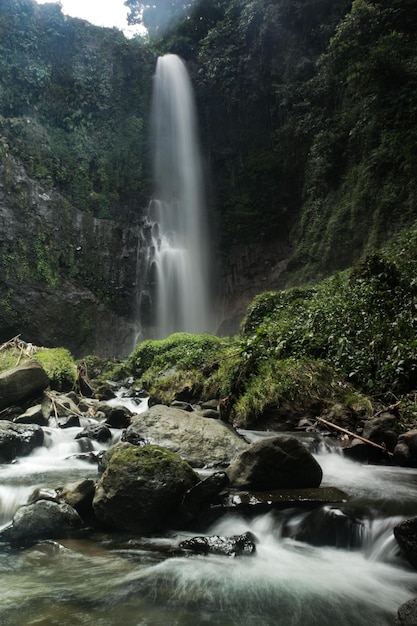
105 579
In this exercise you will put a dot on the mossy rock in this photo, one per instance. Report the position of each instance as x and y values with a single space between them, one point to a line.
142 488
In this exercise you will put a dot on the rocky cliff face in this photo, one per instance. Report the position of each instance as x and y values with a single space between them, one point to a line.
69 279
66 278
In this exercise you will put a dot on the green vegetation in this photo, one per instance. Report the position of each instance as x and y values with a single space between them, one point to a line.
181 350
58 363
308 117
151 461
60 367
350 337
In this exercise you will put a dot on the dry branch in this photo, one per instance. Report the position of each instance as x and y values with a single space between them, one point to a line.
354 436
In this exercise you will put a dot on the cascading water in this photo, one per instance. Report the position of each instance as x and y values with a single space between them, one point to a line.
110 578
174 260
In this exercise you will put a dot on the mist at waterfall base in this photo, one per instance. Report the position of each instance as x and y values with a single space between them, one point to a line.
104 578
173 255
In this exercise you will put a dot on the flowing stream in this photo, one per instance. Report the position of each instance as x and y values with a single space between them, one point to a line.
110 579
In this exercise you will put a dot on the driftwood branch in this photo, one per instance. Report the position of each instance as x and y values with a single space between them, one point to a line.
56 402
354 436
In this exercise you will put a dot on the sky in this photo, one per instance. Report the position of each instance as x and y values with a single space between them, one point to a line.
100 12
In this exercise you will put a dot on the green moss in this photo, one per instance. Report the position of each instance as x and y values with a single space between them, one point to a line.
150 461
59 365
182 351
296 385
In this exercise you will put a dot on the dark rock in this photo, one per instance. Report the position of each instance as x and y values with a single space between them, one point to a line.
330 526
18 439
80 495
104 392
118 417
280 462
402 456
238 545
86 444
184 406
185 395
69 421
363 452
406 536
405 452
383 430
210 405
98 432
142 488
42 520
33 415
407 614
201 495
22 383
43 494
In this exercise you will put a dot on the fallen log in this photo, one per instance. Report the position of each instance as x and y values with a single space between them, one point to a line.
354 436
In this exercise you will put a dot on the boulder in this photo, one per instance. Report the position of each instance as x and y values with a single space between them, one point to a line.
69 421
33 415
237 545
202 495
118 417
79 495
22 383
197 440
97 432
280 462
141 488
406 536
405 452
42 520
382 430
330 526
18 439
407 614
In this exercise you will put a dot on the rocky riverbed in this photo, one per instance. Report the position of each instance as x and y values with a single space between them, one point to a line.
154 471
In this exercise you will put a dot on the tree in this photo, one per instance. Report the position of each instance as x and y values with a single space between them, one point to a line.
159 15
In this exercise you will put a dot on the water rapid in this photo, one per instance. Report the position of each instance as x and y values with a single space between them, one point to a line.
113 578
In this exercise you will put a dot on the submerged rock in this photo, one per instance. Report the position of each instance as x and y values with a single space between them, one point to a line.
141 488
42 520
330 526
280 462
198 440
237 545
18 439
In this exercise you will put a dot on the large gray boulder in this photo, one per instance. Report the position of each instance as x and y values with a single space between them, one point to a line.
42 520
18 439
198 440
142 488
280 462
22 383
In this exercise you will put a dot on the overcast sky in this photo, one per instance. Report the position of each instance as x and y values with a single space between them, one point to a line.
100 12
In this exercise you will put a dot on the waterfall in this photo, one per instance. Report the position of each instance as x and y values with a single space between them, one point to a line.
174 292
